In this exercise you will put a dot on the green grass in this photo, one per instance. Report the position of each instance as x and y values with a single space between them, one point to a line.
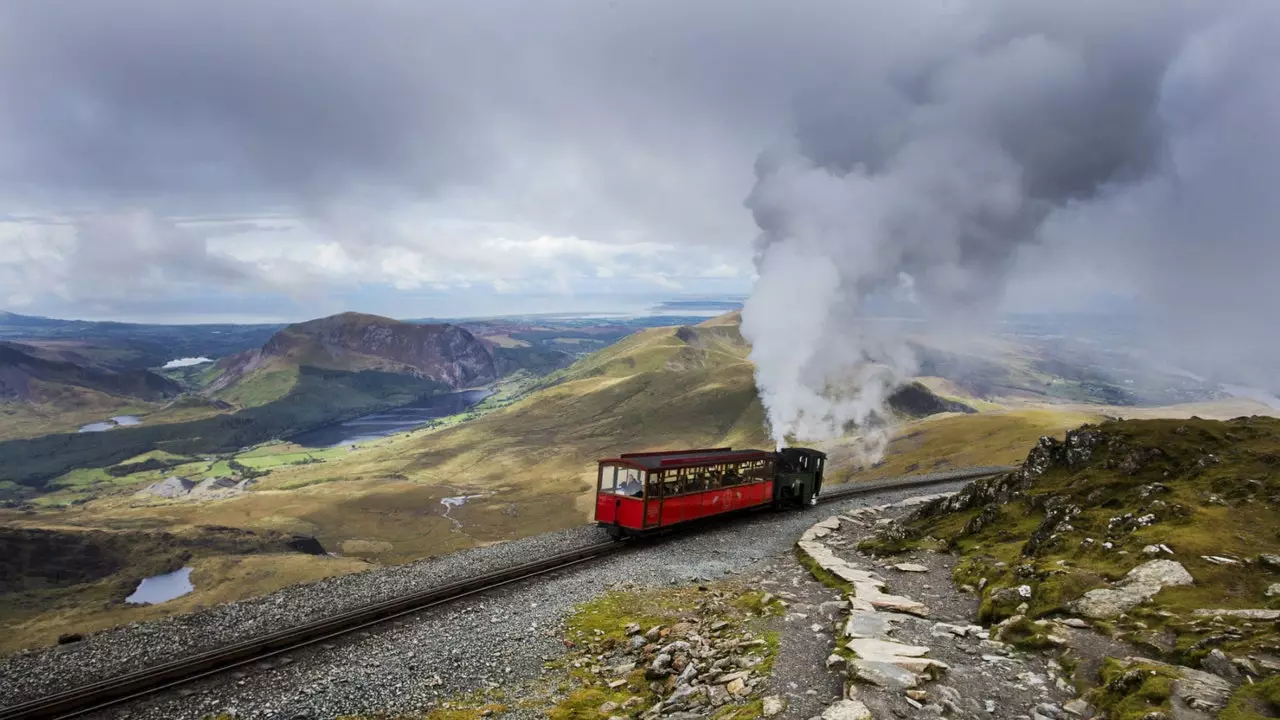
261 388
953 441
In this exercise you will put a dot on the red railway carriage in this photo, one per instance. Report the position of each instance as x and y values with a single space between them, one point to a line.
641 492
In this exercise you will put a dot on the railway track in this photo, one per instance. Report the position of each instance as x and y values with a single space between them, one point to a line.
134 685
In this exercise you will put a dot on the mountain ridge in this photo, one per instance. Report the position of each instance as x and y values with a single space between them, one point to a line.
354 342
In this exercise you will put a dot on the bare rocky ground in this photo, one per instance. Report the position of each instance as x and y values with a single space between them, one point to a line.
497 640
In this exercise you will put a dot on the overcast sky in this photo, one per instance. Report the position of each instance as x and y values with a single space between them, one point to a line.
283 159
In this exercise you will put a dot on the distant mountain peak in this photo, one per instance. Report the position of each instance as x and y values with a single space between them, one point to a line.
353 341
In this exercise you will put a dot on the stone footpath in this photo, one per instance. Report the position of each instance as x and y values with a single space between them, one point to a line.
904 658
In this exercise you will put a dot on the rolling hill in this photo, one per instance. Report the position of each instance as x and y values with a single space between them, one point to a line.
303 377
53 389
133 346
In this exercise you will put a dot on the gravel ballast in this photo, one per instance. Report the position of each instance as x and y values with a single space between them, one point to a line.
496 638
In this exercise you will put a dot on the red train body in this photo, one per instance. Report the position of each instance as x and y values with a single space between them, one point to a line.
639 493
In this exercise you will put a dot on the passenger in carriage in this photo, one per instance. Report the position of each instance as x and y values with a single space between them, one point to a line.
631 487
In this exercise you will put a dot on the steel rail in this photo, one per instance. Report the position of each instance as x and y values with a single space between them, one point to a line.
104 693
131 686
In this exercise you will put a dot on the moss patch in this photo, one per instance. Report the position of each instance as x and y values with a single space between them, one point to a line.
1132 692
1254 701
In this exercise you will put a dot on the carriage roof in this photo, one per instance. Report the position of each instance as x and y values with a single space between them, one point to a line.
667 459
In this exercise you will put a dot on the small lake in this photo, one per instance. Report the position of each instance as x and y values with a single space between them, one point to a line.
389 422
162 588
117 421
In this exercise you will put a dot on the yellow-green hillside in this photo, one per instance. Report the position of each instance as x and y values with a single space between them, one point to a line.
665 387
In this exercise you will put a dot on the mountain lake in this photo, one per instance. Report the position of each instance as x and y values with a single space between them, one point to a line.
117 421
389 422
162 588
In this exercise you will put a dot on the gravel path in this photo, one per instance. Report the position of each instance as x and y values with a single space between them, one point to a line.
500 638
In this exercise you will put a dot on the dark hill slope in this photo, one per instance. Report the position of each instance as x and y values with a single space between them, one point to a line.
32 374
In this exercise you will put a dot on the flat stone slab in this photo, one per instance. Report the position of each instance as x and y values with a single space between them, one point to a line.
920 664
1247 614
868 625
873 649
871 593
883 674
854 575
910 567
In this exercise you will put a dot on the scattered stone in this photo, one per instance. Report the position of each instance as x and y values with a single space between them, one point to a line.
1219 664
1219 560
773 705
847 710
1076 623
910 567
1273 590
1079 708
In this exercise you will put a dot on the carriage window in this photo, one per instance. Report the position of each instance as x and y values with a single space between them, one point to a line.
622 481
608 478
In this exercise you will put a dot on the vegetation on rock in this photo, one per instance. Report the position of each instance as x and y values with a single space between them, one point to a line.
1157 529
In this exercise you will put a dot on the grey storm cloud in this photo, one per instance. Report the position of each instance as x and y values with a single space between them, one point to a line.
921 147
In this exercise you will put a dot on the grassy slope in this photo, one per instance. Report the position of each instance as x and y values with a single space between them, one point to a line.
64 408
951 440
536 456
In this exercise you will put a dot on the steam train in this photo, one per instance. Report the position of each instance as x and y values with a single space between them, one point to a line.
644 493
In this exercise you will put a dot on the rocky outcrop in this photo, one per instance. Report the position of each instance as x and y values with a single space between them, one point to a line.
168 488
1138 585
1193 694
180 488
351 341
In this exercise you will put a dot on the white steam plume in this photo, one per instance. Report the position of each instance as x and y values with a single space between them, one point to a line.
957 162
